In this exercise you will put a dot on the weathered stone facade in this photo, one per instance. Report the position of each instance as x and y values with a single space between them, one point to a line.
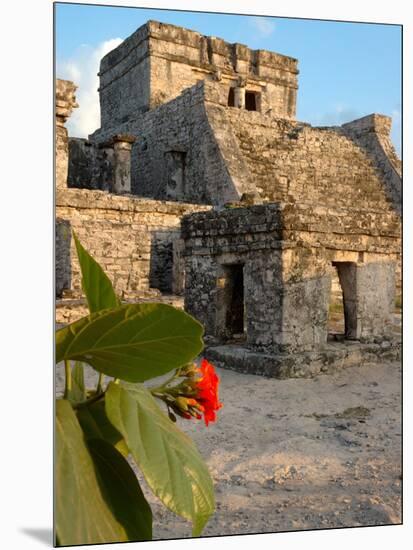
229 200
287 253
157 62
106 167
181 153
128 236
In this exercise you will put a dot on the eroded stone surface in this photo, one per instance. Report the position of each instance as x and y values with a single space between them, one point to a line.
126 235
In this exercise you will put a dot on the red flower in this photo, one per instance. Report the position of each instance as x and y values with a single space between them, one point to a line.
194 396
207 391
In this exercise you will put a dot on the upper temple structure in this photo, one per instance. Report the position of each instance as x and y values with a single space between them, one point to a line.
202 189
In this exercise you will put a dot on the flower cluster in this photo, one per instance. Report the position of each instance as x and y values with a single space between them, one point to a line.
195 395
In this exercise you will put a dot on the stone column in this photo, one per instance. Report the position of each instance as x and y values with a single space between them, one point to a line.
122 145
375 292
65 103
239 97
239 92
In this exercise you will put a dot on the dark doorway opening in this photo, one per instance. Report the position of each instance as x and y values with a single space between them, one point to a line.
343 303
231 98
234 319
250 101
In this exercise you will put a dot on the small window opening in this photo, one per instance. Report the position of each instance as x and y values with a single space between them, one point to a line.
250 101
231 98
234 320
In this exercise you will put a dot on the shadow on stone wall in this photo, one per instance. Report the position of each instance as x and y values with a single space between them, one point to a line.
161 262
90 166
63 238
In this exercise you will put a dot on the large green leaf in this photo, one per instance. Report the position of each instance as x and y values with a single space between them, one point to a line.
96 425
133 342
122 490
95 283
169 460
82 513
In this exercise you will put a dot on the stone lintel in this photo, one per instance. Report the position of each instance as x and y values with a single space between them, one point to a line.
118 139
125 138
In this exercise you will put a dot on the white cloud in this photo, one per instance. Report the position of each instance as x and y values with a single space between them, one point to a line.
82 69
264 26
338 116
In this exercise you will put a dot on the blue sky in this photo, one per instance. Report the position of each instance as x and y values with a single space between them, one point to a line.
347 70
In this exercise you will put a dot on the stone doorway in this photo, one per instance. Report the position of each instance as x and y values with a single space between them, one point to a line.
231 308
342 322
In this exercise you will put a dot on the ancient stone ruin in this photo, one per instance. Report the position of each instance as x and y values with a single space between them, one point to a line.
201 189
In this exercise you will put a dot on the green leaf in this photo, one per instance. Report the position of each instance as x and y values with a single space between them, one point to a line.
95 283
96 425
132 342
169 460
78 392
82 514
122 490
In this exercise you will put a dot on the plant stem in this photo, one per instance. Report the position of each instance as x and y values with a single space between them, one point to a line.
68 379
163 386
99 387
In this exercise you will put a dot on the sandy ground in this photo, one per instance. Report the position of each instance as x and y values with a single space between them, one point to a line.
299 454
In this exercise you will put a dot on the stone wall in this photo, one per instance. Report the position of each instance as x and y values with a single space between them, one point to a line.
124 75
291 161
288 253
124 234
158 61
225 152
178 153
62 256
89 166
372 134
105 166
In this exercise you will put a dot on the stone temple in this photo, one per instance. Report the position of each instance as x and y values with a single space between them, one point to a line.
201 189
